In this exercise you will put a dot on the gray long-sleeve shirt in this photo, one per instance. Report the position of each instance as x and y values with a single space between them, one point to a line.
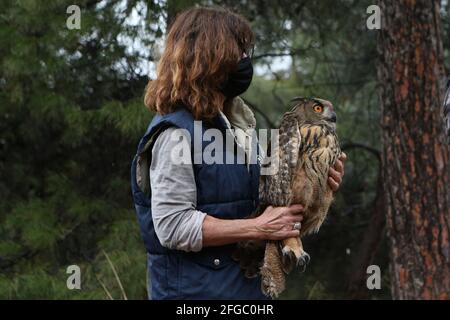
177 223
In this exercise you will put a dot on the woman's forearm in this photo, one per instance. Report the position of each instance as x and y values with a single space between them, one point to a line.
273 224
219 232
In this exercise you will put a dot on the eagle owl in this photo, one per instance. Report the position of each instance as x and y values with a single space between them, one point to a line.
308 146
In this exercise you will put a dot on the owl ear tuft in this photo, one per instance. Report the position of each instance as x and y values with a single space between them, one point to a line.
296 100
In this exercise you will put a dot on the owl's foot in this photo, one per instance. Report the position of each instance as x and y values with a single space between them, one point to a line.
303 260
291 258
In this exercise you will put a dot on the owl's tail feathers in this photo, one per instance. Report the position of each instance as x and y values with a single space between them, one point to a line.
250 255
272 274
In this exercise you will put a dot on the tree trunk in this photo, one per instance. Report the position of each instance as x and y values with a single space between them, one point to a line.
415 156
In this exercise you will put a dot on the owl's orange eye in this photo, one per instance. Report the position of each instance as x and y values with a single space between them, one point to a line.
318 108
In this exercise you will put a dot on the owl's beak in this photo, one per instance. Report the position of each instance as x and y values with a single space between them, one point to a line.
332 118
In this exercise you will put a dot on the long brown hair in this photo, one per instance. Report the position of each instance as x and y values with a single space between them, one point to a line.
203 45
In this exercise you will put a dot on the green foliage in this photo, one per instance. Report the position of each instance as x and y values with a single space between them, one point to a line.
71 116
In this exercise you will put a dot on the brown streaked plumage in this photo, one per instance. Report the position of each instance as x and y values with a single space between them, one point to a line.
308 146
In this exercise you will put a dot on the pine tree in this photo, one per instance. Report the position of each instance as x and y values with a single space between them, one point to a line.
415 158
72 114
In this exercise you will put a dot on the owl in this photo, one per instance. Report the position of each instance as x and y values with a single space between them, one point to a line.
307 147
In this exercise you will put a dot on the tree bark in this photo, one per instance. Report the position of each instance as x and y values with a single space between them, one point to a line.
415 156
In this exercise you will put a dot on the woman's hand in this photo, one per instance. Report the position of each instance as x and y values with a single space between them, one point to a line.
336 173
277 223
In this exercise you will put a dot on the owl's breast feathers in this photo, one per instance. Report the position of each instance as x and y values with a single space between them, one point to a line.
319 150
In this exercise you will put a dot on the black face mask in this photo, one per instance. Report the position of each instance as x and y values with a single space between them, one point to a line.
239 80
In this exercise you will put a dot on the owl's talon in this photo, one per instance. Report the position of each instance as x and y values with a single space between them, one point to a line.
291 258
303 261
288 259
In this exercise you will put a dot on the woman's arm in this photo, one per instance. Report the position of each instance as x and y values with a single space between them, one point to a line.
273 224
177 223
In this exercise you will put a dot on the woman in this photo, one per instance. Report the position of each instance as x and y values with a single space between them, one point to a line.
192 213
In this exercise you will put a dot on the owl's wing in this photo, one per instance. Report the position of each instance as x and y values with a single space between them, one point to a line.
276 183
274 188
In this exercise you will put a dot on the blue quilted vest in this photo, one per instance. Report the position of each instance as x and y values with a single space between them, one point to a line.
225 191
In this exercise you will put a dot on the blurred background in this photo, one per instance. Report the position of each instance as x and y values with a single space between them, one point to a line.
72 112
